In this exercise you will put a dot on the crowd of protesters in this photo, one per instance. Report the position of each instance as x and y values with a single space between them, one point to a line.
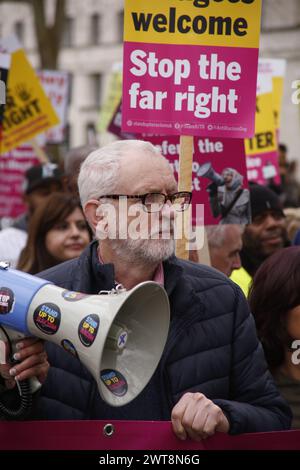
258 257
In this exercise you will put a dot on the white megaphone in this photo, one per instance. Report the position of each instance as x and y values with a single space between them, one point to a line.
206 170
119 336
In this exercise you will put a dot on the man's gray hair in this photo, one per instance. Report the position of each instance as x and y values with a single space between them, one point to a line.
216 234
99 173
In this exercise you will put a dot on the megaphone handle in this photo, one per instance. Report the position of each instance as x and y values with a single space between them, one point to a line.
13 337
34 384
26 387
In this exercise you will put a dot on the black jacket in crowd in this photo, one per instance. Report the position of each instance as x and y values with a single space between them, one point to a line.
212 348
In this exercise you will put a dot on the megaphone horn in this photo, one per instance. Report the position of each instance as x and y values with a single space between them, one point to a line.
206 170
119 337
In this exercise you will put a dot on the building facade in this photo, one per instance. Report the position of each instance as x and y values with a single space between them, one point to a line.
280 38
91 45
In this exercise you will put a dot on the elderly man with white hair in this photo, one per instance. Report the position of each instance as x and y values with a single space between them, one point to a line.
212 375
225 244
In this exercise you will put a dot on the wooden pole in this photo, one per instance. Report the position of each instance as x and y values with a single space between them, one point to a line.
185 184
203 253
41 154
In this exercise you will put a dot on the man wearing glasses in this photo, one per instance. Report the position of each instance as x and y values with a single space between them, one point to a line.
212 375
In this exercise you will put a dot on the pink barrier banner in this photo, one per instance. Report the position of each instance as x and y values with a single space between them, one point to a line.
129 435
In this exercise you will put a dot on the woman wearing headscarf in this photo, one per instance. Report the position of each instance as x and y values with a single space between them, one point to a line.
230 200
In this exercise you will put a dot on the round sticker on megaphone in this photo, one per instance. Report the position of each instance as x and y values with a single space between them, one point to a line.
114 381
88 329
7 300
47 317
69 347
73 296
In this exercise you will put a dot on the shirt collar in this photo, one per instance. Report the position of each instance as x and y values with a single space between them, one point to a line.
159 275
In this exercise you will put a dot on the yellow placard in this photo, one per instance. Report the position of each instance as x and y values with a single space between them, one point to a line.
274 68
28 110
112 100
193 22
277 98
264 139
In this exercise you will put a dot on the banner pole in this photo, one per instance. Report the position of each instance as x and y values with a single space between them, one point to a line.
41 154
185 184
203 253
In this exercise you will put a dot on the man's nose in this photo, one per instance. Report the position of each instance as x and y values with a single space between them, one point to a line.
168 209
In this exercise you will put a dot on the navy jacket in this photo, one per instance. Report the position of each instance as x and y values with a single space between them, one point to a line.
212 348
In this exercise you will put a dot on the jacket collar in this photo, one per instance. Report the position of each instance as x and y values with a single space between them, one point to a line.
90 275
93 276
172 272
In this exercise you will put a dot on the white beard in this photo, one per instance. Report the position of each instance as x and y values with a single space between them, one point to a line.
150 251
138 245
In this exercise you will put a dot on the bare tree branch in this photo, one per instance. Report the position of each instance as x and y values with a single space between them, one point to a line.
60 16
58 26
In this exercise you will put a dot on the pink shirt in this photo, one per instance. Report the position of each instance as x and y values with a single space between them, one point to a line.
159 275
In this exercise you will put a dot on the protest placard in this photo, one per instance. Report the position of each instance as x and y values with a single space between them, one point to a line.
216 153
4 68
261 150
28 111
218 175
12 169
114 126
112 97
56 86
190 67
275 68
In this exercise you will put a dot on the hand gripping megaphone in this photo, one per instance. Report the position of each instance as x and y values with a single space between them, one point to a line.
118 335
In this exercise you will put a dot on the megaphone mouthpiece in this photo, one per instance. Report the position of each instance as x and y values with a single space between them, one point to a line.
117 337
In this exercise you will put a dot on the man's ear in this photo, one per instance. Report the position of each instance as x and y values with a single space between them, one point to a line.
92 213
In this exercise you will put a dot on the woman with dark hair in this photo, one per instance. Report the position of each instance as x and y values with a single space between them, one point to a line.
57 232
275 303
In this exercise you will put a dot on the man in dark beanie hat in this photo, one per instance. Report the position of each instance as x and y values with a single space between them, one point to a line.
265 235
